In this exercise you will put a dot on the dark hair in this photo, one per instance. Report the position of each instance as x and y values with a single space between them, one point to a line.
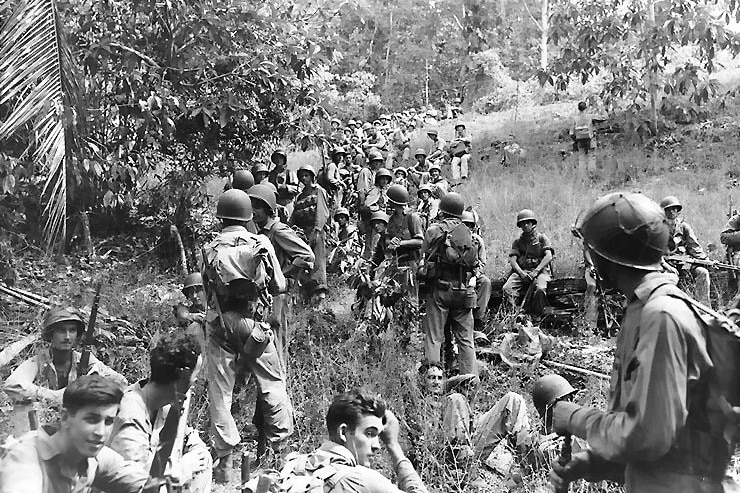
425 366
91 390
581 106
350 407
172 354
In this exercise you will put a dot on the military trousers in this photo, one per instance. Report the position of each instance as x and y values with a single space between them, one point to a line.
442 305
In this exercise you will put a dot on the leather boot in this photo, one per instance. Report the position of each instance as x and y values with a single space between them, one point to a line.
223 470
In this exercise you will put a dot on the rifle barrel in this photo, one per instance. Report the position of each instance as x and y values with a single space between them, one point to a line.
84 363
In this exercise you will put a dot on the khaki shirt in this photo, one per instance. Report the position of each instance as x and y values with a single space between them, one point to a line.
35 464
683 240
529 250
290 249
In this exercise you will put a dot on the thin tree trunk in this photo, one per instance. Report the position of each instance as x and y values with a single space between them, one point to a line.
388 47
651 73
426 83
85 220
545 28
175 233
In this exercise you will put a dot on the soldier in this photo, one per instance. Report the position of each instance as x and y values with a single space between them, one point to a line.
295 256
483 283
375 140
75 458
335 187
242 179
419 172
437 154
460 152
449 274
284 180
400 175
260 171
662 431
582 133
529 258
310 213
146 405
376 200
193 317
683 241
400 142
347 248
439 185
428 207
241 272
730 237
43 377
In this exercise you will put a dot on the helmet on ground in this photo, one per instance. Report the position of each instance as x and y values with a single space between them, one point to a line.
264 194
452 204
468 217
459 124
670 201
432 131
243 179
234 204
379 216
58 315
549 389
367 126
398 195
192 280
341 211
260 168
626 228
374 155
278 152
420 152
401 170
307 168
424 188
435 166
383 172
525 215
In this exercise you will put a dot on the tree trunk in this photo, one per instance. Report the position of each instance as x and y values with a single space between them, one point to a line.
426 84
545 29
175 233
652 76
388 47
85 220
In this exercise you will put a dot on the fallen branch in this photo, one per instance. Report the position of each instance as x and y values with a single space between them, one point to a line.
14 349
25 296
576 369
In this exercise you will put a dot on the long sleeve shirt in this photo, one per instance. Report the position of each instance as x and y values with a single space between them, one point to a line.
661 358
36 464
730 234
290 249
37 379
311 209
684 240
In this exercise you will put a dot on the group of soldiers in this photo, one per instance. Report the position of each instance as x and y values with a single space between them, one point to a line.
661 432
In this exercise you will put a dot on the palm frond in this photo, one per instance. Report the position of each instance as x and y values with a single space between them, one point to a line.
38 78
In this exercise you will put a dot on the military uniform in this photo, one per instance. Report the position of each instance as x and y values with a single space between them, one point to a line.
310 213
482 283
286 183
440 187
683 241
529 251
428 210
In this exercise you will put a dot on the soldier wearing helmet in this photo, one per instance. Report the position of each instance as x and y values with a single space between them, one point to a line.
683 242
375 140
43 377
661 431
242 179
241 273
284 180
400 177
428 206
440 186
459 149
439 147
450 284
193 315
375 200
400 144
530 257
260 171
404 234
730 237
333 180
310 214
346 231
419 173
483 283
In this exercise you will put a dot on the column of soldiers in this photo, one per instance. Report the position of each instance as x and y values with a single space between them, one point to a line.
273 237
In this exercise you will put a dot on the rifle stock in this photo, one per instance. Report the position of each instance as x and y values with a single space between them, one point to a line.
84 365
685 259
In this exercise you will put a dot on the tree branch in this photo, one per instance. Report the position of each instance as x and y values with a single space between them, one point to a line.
524 2
139 54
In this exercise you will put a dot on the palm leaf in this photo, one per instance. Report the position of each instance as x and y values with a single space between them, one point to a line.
38 78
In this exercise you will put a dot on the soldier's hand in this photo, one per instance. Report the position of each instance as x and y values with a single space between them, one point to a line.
392 428
395 243
578 467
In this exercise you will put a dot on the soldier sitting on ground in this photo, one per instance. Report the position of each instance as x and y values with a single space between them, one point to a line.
529 258
43 377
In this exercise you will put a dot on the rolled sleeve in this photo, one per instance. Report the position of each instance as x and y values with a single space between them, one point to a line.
114 473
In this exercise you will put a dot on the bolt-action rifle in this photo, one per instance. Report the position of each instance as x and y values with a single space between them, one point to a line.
686 259
83 367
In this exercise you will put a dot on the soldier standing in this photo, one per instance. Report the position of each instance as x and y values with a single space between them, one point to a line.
483 283
428 207
284 180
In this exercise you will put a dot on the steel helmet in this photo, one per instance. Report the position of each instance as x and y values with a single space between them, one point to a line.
374 155
401 170
234 204
626 228
381 173
424 188
341 211
459 124
367 126
549 389
243 179
279 152
306 167
191 280
452 204
260 168
264 194
385 117
420 152
336 120
525 215
670 201
339 150
468 217
377 123
432 131
435 166
398 195
379 216
58 315
351 122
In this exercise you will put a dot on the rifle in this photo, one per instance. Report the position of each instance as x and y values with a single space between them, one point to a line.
84 365
685 259
565 455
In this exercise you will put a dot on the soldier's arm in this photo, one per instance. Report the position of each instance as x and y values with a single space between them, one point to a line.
693 247
300 254
416 232
322 210
547 258
21 470
98 367
277 283
20 385
114 473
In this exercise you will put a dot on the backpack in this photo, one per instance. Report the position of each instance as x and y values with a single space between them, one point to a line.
458 247
723 345
236 266
322 178
302 473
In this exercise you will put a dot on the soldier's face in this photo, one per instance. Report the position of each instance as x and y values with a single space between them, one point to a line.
672 213
196 295
342 220
64 336
423 195
434 174
527 226
383 181
279 161
89 428
434 380
305 178
364 440
380 226
259 212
